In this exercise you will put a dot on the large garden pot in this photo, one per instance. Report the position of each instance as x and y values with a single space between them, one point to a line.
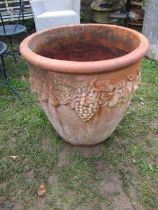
137 24
102 15
84 76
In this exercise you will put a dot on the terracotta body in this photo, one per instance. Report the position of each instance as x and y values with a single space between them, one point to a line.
86 93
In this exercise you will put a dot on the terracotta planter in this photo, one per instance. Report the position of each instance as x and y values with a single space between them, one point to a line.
137 24
84 76
102 15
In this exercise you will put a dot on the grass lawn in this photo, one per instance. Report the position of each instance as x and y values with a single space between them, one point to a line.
121 173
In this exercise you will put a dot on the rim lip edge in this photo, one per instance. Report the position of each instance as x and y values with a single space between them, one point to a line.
75 67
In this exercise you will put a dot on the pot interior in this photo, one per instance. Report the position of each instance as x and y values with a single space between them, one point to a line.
84 43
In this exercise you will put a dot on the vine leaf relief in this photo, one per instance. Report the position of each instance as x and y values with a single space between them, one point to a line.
87 101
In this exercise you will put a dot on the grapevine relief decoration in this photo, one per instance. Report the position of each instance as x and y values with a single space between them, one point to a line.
86 100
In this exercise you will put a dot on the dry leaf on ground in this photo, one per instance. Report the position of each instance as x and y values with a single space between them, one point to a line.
41 190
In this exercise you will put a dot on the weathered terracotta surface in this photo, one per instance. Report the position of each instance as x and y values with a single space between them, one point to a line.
85 95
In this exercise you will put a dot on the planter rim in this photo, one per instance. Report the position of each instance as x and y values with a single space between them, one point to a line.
76 67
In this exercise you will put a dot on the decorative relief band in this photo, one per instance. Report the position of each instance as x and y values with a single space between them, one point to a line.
86 101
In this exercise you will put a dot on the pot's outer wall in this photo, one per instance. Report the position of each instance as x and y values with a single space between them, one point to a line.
85 106
85 109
